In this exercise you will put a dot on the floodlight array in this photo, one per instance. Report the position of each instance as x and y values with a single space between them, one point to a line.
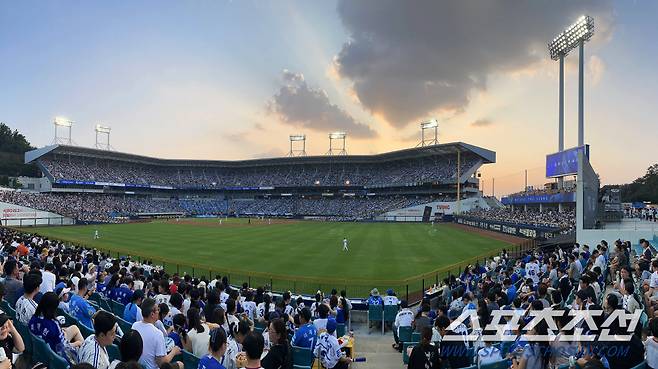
429 124
63 122
102 129
301 137
337 135
581 31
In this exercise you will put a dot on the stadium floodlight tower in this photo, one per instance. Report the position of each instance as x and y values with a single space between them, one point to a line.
103 130
340 150
296 151
574 36
66 125
431 124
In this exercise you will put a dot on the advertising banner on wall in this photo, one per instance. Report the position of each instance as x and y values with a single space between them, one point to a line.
16 215
519 230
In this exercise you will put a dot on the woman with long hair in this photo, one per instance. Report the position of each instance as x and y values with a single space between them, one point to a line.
44 324
198 334
280 354
217 346
425 355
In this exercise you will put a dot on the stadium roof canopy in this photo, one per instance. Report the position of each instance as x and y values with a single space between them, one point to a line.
487 156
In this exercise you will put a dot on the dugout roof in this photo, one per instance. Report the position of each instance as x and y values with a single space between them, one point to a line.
487 156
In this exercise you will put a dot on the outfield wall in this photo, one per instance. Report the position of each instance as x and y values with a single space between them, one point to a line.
22 216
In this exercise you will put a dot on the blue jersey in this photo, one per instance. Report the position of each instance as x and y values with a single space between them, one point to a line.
130 313
121 294
209 362
82 310
49 331
375 300
305 336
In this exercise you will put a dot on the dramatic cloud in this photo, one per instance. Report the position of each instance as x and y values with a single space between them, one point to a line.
481 123
407 59
300 105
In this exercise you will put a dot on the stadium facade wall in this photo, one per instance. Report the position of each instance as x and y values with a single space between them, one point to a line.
22 216
415 213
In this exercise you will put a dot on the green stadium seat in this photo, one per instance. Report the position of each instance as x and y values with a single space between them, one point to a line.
24 331
405 351
302 356
189 360
56 361
40 350
340 329
9 310
68 318
376 314
415 337
404 334
301 367
117 308
390 312
641 365
124 325
84 330
113 352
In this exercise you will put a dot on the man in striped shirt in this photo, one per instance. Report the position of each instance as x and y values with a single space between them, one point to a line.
26 306
93 350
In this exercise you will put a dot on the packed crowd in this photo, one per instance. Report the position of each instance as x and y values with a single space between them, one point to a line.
221 324
489 313
57 293
329 174
565 220
113 208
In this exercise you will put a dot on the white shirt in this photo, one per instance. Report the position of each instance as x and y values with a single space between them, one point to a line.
404 318
154 344
261 310
327 350
250 308
25 309
532 272
651 347
92 353
390 300
47 282
199 340
488 355
653 281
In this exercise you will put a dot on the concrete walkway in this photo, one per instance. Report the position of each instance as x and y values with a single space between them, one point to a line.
374 346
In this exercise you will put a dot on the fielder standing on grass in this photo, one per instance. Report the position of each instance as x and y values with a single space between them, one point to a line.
345 244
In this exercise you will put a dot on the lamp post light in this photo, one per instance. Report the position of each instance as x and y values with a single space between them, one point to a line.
65 124
103 130
337 136
430 124
297 138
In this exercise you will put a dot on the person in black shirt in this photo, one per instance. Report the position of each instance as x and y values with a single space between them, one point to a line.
10 340
425 355
280 354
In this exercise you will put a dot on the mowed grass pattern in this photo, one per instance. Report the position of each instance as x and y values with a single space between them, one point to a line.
377 251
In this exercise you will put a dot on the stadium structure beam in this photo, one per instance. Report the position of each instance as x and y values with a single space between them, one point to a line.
103 130
431 124
340 137
65 124
297 152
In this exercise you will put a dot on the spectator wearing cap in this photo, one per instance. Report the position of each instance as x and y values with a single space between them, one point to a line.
390 298
132 312
80 308
26 306
307 333
13 285
154 352
404 318
10 340
374 298
327 349
48 278
94 349
279 355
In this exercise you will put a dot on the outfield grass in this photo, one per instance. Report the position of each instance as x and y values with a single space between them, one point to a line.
378 251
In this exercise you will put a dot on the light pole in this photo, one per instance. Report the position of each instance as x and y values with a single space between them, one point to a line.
64 124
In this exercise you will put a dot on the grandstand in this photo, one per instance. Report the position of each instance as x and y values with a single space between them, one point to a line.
98 185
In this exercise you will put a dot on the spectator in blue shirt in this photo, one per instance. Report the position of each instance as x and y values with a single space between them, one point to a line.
510 288
44 324
123 293
374 298
307 334
133 313
80 308
216 349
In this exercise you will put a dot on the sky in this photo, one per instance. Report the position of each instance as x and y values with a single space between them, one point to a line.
233 79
